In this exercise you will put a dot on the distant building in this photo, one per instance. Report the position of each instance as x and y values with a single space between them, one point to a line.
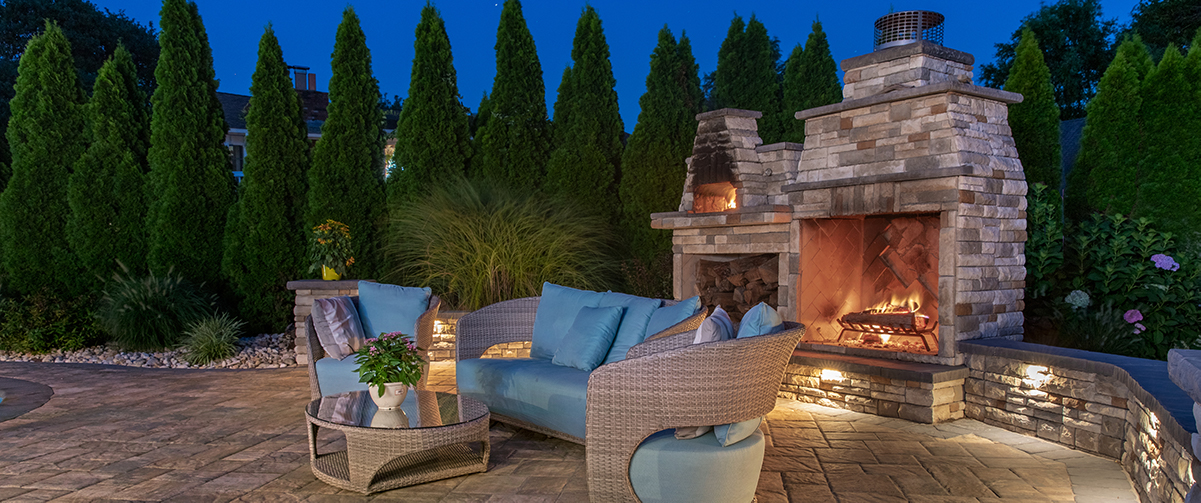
313 107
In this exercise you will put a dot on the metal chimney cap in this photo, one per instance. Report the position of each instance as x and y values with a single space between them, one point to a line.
906 27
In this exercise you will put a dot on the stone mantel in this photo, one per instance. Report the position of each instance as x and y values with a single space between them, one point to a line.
906 93
755 215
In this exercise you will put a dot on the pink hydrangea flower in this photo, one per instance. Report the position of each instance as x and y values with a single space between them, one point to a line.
1132 316
1139 328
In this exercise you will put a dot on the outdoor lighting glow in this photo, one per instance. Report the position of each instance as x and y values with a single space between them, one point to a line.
439 327
831 375
1037 375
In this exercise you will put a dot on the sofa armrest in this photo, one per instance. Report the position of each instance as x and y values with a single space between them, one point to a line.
677 336
314 351
507 321
696 385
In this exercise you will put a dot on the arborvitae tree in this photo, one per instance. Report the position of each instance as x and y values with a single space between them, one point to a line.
265 234
433 135
1106 175
794 97
1172 174
562 108
584 166
814 84
746 74
191 182
653 168
1034 121
1137 55
514 144
346 181
106 192
46 137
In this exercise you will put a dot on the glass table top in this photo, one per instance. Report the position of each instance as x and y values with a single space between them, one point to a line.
420 409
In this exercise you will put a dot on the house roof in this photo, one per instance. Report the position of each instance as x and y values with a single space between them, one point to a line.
234 106
1070 134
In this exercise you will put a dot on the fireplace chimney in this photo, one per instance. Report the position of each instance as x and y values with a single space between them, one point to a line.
302 79
312 82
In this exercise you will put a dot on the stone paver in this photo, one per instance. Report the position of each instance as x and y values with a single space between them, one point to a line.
119 433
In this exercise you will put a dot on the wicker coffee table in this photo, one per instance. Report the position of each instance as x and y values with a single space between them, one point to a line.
431 436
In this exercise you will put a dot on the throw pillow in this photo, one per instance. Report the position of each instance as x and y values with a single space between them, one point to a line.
667 316
760 320
633 323
717 327
391 308
336 322
586 343
557 310
730 434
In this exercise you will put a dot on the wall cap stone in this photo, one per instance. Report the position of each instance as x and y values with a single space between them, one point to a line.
730 112
784 145
892 369
319 284
903 51
881 178
950 86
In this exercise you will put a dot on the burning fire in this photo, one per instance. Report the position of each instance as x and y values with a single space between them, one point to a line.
714 197
730 204
896 306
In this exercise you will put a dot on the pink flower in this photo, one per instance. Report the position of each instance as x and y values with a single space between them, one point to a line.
1139 328
372 340
1133 315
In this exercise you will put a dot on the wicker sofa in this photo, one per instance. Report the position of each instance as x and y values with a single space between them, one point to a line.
339 376
664 382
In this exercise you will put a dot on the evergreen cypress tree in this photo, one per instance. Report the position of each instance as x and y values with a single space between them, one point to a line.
1107 170
191 182
653 168
515 140
746 75
46 137
266 234
1171 172
346 180
584 166
433 135
562 108
816 81
1034 121
794 97
106 191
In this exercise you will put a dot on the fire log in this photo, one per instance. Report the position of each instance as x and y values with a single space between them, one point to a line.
910 321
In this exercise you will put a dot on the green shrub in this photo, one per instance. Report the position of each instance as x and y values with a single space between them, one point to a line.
1092 328
150 312
648 278
42 322
212 339
1044 246
1131 266
477 243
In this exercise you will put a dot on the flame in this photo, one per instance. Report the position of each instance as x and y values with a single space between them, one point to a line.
730 204
897 305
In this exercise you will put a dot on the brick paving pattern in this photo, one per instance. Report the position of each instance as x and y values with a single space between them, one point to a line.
120 433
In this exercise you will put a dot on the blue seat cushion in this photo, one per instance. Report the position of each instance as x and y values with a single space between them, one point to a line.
528 389
667 316
338 376
391 308
557 310
589 338
696 470
638 312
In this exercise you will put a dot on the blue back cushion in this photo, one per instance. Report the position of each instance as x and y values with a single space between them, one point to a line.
760 320
667 316
391 308
589 338
638 312
556 312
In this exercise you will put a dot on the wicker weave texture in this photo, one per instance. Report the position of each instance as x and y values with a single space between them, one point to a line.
425 339
507 321
695 385
378 459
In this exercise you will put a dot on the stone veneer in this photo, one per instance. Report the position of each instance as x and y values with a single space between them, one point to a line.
916 64
918 392
308 290
1089 405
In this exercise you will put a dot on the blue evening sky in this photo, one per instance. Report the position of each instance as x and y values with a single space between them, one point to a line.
306 31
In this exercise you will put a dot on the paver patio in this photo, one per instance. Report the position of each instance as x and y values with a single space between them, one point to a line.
124 433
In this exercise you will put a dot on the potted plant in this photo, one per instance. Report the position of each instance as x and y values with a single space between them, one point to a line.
329 249
389 364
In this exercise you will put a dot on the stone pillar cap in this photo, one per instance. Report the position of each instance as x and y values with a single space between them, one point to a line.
728 112
320 284
903 51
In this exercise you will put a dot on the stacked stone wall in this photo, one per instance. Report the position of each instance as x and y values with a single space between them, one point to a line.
923 402
306 292
1099 409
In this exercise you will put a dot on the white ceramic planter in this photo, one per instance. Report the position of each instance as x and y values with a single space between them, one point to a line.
394 394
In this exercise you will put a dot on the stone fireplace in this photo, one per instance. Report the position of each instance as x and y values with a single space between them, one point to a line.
897 230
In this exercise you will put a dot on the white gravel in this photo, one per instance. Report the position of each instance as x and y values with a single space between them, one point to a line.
263 351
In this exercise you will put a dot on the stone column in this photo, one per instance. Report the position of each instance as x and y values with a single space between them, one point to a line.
306 291
1184 367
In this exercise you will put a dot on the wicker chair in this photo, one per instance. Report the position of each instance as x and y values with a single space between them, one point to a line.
513 321
425 339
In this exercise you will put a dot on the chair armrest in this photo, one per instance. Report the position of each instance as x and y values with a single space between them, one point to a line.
677 336
507 321
702 384
314 351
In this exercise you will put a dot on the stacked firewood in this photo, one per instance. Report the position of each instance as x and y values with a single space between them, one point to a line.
740 284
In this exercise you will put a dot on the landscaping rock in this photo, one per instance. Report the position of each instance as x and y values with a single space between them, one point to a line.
262 351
